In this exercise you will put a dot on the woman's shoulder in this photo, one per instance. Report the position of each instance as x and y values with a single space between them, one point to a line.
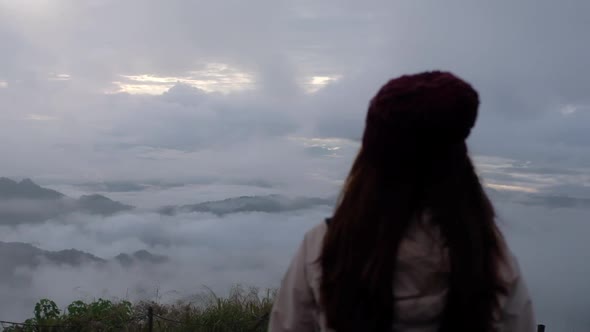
312 242
516 307
509 266
315 235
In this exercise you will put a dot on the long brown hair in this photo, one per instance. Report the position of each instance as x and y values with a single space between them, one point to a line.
410 162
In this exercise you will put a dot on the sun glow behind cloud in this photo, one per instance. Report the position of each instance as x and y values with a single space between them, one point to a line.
36 9
59 77
570 109
39 117
316 83
214 77
515 188
331 144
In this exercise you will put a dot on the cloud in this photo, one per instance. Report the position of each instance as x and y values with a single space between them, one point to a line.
213 78
282 48
204 250
219 251
551 245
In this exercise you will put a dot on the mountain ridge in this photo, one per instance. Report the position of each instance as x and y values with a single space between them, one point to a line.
243 204
28 202
27 189
14 254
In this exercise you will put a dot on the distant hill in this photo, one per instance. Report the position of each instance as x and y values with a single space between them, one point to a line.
25 189
140 256
268 204
26 202
15 254
99 204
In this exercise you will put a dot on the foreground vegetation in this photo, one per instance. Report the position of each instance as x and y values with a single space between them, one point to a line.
241 311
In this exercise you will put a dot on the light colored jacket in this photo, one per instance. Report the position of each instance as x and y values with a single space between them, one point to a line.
420 288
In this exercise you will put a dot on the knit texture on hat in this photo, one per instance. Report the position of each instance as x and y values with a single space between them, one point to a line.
427 110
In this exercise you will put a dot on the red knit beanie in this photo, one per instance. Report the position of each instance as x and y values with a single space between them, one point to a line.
429 109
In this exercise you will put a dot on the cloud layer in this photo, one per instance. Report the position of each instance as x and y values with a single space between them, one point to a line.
254 248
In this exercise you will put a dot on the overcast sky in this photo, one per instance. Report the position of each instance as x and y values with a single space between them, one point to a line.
268 96
92 87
